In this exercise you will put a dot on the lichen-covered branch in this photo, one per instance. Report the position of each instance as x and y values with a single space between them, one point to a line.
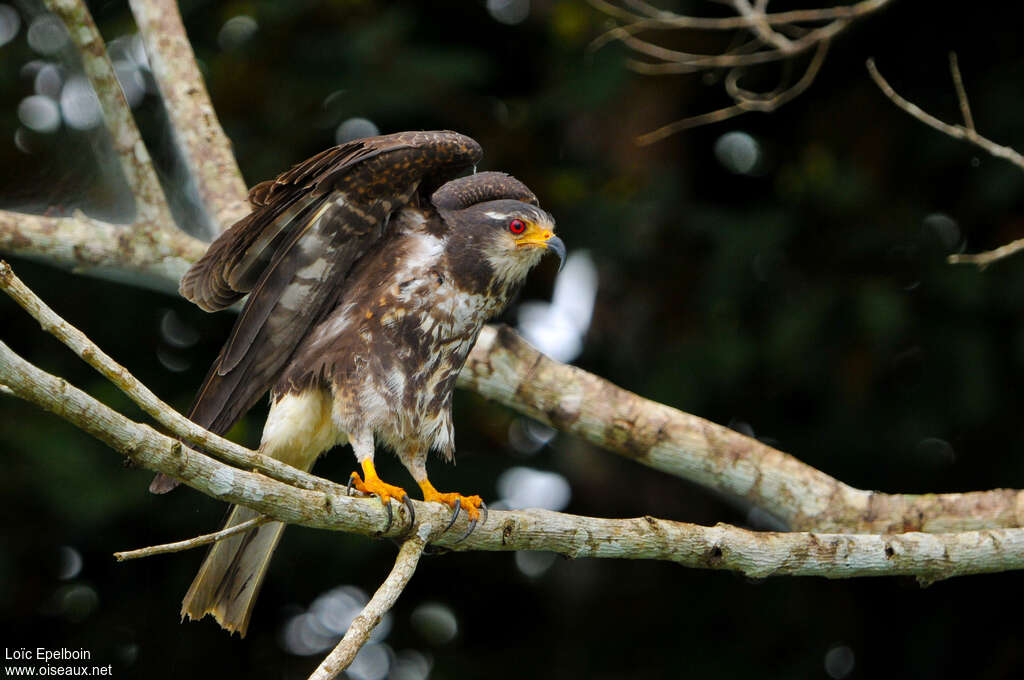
178 424
148 255
150 203
151 251
929 557
382 601
503 367
205 148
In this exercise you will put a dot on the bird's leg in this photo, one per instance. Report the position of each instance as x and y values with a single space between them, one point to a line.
471 505
372 484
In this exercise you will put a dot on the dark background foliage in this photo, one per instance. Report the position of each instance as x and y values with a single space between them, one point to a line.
806 302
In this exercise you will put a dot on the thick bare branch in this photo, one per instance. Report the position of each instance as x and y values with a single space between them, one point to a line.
154 256
503 367
142 396
382 601
929 557
198 541
150 203
204 146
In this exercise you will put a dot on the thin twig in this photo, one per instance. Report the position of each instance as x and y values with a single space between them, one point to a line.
966 132
955 131
205 148
662 19
382 601
150 202
961 91
178 424
190 543
743 105
774 38
986 258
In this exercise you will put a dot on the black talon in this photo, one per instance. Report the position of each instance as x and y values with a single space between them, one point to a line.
455 514
412 511
483 506
391 517
472 525
351 484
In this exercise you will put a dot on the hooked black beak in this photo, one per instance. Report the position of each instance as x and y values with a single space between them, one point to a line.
556 245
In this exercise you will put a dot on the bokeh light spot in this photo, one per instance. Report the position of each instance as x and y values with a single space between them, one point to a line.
236 31
10 23
738 152
839 662
70 563
79 104
355 128
534 563
944 228
509 12
46 34
435 622
523 487
39 113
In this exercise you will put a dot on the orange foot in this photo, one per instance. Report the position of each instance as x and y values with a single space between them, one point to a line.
471 504
375 486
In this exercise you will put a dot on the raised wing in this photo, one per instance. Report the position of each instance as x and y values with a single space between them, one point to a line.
294 251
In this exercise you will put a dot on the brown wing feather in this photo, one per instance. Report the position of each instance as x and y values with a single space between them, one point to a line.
311 225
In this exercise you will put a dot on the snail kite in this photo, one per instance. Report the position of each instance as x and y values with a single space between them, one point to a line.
369 272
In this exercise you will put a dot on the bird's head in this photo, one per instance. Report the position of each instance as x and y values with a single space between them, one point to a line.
496 219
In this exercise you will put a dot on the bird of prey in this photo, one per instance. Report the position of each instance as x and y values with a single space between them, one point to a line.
370 272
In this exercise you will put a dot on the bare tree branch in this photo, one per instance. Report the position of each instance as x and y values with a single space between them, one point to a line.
152 250
152 255
503 367
179 546
745 102
929 557
150 203
142 396
968 134
204 146
762 38
382 601
961 91
986 258
965 132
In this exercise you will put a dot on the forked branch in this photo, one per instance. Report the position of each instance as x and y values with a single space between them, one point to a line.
966 132
758 38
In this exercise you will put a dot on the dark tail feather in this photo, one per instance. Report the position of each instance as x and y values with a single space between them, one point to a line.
230 578
221 401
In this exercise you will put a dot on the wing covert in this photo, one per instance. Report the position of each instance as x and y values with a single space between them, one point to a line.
308 228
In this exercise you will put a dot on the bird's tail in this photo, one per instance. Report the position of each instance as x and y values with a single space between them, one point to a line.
230 578
298 428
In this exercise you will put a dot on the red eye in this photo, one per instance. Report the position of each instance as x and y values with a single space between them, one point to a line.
517 227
